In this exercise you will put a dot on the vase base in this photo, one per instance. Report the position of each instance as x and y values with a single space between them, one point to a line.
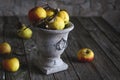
54 69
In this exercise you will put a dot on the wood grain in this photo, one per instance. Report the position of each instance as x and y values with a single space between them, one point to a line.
1 40
110 51
91 32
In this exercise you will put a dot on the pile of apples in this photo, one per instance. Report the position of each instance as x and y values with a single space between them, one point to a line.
44 17
48 18
11 64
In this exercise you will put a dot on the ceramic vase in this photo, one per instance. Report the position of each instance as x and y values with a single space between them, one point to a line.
51 44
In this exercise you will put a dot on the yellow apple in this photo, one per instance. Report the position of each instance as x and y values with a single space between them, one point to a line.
50 12
56 23
5 48
36 14
25 32
85 55
64 15
11 64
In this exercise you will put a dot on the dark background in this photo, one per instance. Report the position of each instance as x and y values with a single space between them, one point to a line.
108 9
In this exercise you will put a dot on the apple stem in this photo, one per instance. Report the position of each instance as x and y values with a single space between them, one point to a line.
47 6
46 20
42 23
87 51
19 25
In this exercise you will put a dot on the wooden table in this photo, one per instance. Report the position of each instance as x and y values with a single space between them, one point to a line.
93 32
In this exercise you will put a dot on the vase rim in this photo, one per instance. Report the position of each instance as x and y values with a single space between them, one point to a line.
69 28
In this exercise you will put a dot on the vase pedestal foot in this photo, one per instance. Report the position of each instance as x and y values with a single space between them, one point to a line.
54 69
47 68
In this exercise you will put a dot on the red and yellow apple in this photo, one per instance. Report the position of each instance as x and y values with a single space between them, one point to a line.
36 14
5 48
85 55
11 64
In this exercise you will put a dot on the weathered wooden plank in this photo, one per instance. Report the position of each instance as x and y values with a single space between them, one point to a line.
83 70
108 30
17 47
1 27
114 40
113 18
85 34
1 40
107 57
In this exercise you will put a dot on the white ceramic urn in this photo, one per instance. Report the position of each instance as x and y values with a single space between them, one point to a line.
51 44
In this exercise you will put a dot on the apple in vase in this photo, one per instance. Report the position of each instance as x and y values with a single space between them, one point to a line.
59 21
56 24
85 55
50 12
64 15
36 14
39 16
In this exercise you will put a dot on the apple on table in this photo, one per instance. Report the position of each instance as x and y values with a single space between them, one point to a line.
11 64
24 32
85 55
5 48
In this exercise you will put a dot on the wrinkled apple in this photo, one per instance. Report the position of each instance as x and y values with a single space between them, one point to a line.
5 48
36 14
85 55
25 32
57 24
11 64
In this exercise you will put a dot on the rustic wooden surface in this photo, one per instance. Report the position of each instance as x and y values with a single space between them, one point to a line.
92 32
